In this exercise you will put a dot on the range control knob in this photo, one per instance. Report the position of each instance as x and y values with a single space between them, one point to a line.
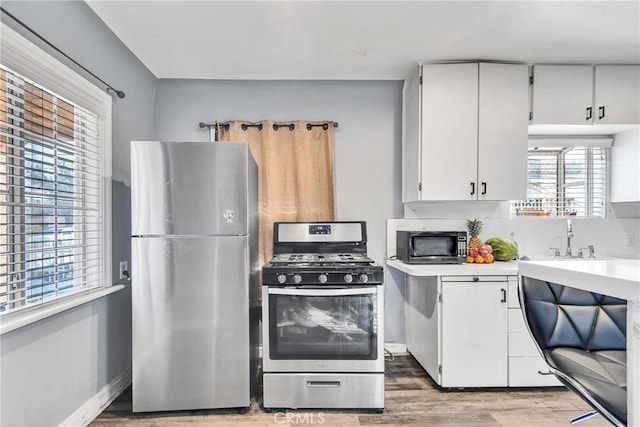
322 278
297 278
363 278
282 278
348 278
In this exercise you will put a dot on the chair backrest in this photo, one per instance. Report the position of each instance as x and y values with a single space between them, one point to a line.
561 316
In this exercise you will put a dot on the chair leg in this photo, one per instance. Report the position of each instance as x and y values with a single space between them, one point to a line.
583 417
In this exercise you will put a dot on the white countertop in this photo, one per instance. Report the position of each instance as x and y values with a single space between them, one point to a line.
619 278
616 277
494 269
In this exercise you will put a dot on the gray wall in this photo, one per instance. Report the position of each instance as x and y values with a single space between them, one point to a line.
83 349
52 367
367 143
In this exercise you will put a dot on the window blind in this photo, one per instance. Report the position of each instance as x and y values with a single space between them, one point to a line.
565 181
50 195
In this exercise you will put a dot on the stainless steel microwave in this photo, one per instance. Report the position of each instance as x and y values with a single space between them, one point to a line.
431 247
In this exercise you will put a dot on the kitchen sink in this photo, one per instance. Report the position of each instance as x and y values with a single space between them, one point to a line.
561 258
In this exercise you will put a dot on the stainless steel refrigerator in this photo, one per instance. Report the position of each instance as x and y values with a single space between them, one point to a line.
194 272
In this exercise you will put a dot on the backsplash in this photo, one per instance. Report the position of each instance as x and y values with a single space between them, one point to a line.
611 237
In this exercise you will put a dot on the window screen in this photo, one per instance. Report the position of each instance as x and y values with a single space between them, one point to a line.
565 181
50 195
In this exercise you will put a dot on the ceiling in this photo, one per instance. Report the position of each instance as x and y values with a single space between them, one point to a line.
373 40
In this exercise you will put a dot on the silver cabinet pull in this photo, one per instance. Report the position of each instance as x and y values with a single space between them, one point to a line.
327 384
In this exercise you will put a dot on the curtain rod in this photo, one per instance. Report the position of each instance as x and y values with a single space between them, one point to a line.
109 89
276 126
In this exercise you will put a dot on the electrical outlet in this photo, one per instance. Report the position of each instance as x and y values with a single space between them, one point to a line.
124 266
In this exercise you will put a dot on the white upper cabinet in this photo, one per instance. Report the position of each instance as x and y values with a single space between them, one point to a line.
562 94
502 132
617 94
586 95
449 131
625 174
465 132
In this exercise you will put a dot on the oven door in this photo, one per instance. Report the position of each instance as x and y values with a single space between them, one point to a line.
323 329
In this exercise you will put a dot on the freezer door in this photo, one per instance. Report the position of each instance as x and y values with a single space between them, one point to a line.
189 188
190 299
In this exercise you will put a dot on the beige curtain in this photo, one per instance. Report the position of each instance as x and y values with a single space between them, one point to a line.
295 168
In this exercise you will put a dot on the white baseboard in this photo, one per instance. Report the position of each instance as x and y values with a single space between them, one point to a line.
395 347
98 403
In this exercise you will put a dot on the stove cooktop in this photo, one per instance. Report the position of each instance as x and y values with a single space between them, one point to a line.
344 269
320 253
320 258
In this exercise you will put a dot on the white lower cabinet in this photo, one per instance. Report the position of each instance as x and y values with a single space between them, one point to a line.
527 367
468 331
526 372
474 331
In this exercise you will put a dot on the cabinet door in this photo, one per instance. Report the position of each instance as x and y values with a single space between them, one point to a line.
421 320
563 94
474 334
617 94
449 131
502 131
625 175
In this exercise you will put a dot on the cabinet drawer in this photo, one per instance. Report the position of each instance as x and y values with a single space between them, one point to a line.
323 390
521 344
475 278
513 294
523 372
516 321
520 341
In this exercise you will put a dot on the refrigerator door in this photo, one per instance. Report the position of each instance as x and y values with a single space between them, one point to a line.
189 188
190 323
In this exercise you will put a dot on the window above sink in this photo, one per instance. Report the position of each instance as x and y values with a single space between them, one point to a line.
566 177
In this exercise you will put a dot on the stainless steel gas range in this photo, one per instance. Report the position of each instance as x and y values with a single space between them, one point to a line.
322 308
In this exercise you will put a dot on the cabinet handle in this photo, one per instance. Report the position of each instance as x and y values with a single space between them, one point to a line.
473 188
601 112
484 188
504 295
589 113
329 384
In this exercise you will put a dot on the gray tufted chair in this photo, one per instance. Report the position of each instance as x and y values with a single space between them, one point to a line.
582 337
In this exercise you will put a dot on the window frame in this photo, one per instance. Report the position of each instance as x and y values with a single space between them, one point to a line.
24 57
562 145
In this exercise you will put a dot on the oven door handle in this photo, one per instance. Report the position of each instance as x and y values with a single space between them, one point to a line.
322 291
324 384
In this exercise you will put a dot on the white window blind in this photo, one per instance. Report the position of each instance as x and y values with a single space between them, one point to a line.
565 181
51 195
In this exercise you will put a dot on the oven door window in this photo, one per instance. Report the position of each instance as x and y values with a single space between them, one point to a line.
311 327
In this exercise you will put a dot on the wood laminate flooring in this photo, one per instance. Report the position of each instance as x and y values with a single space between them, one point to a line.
411 397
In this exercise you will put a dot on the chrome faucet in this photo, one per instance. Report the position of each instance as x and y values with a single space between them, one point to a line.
569 237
